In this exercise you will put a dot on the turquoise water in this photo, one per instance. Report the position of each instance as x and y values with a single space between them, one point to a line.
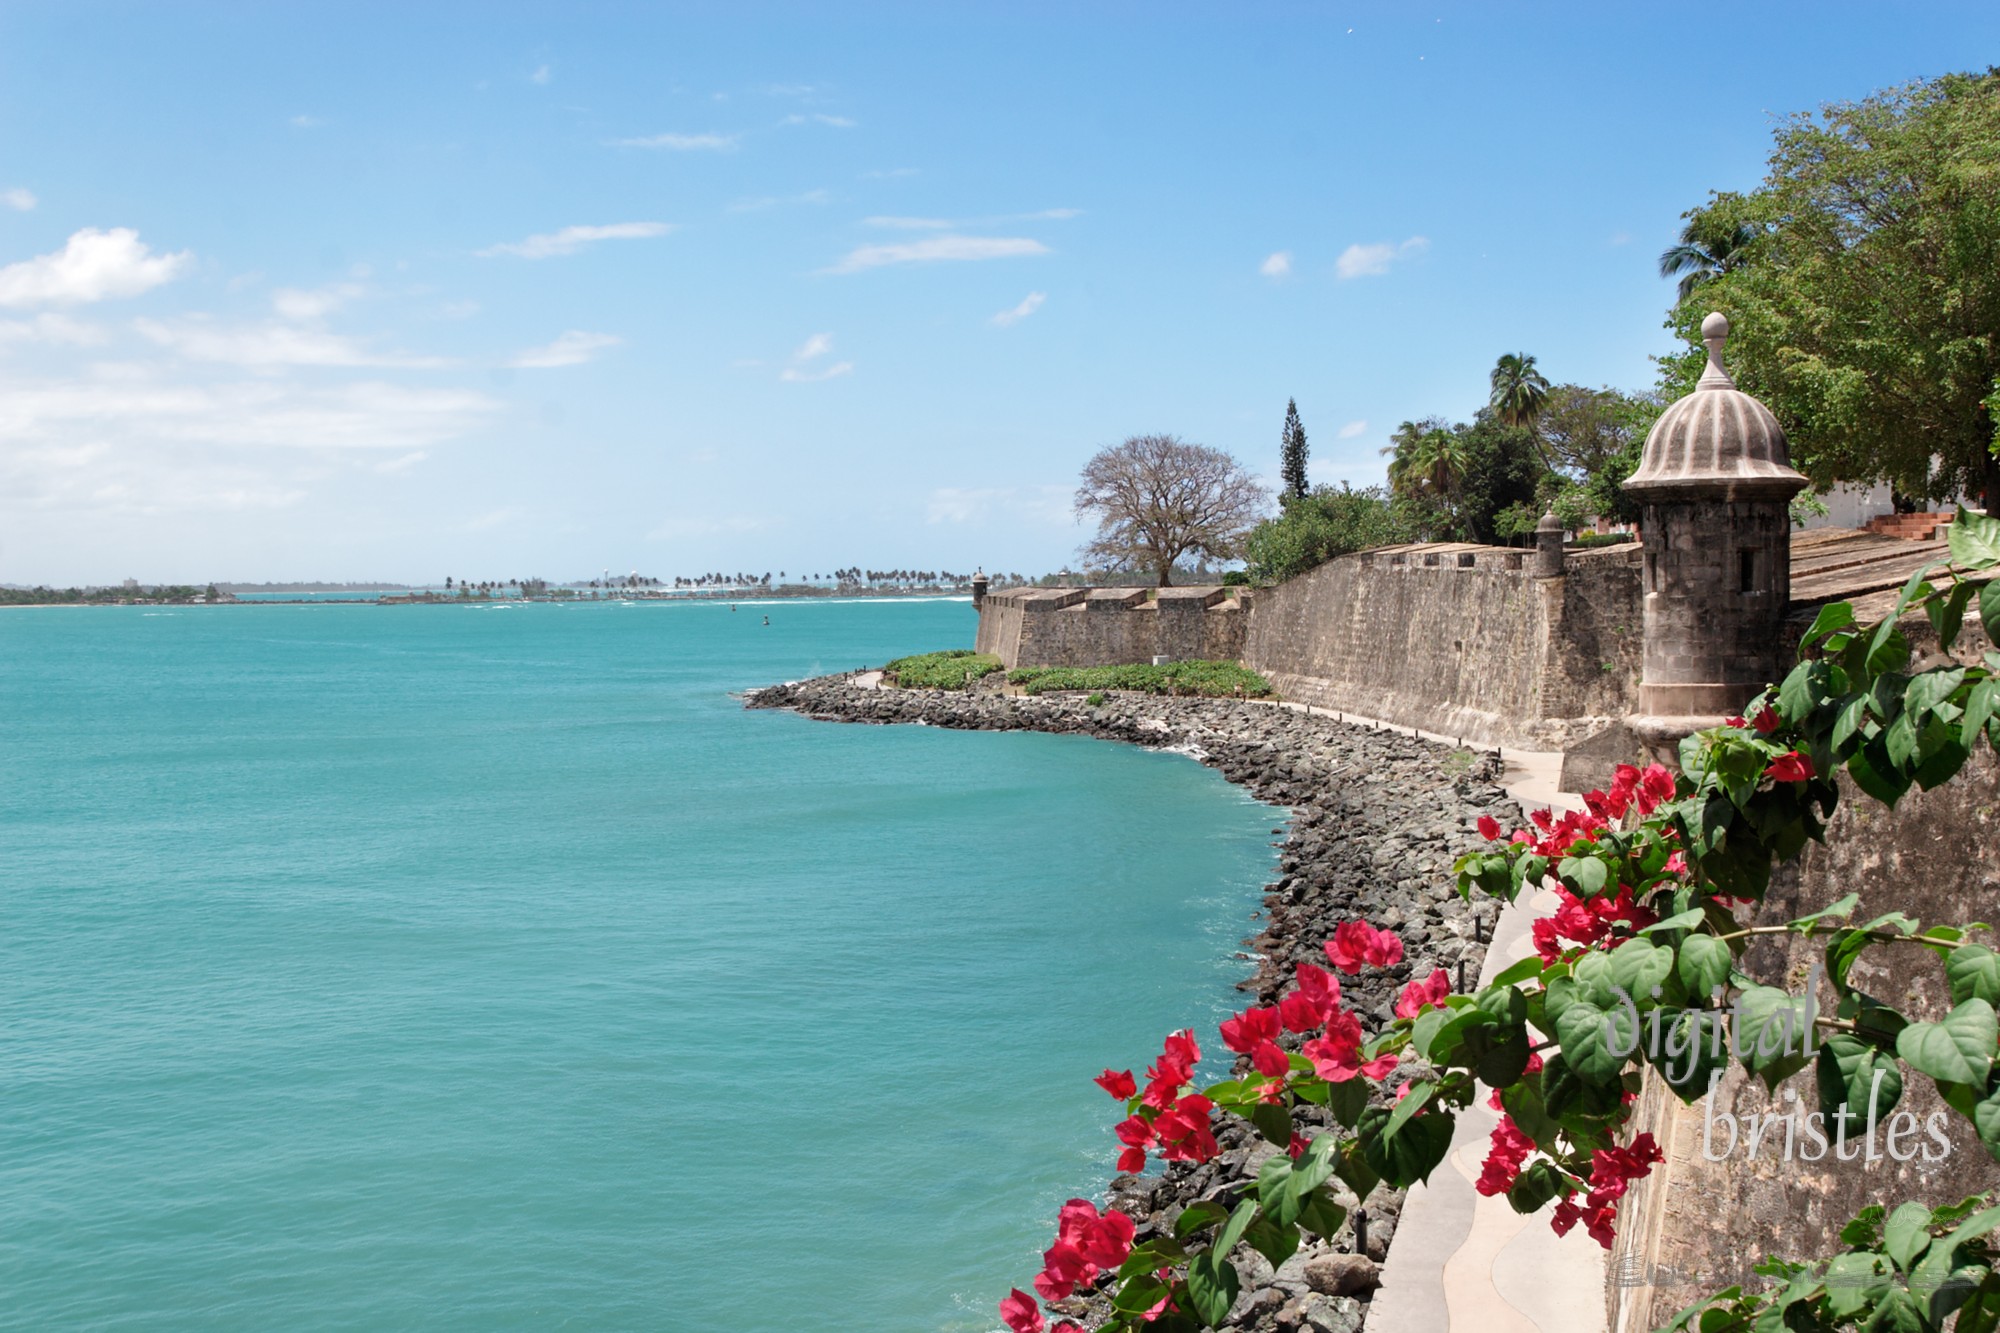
490 967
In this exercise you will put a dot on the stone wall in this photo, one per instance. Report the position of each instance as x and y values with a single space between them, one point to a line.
1696 1224
1111 626
1465 642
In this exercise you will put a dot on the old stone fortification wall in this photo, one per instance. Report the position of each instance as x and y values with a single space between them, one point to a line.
1110 626
1696 1224
1466 642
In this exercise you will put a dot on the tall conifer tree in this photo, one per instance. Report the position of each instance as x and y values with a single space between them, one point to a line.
1292 464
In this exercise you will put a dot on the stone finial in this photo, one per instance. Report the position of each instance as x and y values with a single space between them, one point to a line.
1714 333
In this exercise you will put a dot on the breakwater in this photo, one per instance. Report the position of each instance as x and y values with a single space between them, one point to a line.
1377 818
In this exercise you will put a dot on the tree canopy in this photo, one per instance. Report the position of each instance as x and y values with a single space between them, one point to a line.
1864 301
1292 452
1316 527
1157 498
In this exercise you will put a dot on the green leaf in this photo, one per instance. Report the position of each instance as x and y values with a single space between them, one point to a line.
1774 1033
1410 1154
1319 1214
1535 1186
1585 875
1842 908
1947 613
1347 1101
1986 1123
1833 616
1989 610
1274 1122
1412 1102
1854 1280
1274 1191
1499 1056
1980 705
1276 1243
1703 964
1239 1222
1957 1049
1888 651
1140 1293
1973 971
1639 965
1690 1052
1907 1234
1846 1073
1974 539
1587 1033
1212 1287
1687 920
1202 1213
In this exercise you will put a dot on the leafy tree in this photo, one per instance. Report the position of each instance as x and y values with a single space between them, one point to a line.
1866 303
1502 466
1519 391
1157 498
1292 453
1594 438
1315 527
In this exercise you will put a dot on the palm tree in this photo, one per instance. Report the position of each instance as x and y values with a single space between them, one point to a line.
1707 249
1519 391
1427 464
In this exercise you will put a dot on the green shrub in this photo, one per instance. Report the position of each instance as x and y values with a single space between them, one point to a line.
1096 700
953 669
1220 680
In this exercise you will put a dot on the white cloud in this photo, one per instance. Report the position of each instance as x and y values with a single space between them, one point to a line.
682 143
1049 505
266 346
571 239
21 201
893 173
541 75
305 122
390 467
305 305
1029 305
1279 265
1359 261
52 328
572 348
776 201
908 224
1059 214
94 265
1620 238
936 248
812 349
1352 429
817 118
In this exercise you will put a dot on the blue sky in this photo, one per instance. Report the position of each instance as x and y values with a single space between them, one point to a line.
396 292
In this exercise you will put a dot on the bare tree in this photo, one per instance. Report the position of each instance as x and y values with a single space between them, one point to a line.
1157 498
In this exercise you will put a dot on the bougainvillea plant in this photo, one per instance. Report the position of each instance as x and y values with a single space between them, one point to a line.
1639 967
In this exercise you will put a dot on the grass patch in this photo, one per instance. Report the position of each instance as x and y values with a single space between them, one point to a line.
1219 680
953 669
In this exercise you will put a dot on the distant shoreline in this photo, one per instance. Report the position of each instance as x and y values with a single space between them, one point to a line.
393 598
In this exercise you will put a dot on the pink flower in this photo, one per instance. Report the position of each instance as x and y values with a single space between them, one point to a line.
1677 864
1132 1161
1790 767
1321 987
1270 1060
1489 827
1120 1086
1108 1240
1020 1313
1503 1163
1134 1131
1298 1013
1656 788
1336 1057
1185 1135
1420 995
1250 1029
1356 943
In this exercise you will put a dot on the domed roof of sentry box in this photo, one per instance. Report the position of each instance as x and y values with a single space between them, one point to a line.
1718 441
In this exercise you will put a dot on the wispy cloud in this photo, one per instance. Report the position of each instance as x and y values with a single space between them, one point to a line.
1352 429
1278 265
94 265
21 201
891 173
682 143
1029 305
681 529
1361 261
763 202
392 466
819 118
571 239
305 122
937 249
540 76
491 519
572 348
315 303
1049 505
908 224
803 371
270 345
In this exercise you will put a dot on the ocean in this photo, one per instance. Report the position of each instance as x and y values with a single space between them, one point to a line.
475 967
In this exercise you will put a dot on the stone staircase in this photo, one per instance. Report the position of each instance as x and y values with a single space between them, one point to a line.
1909 527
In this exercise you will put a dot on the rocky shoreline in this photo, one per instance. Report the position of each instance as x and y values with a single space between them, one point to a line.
1377 818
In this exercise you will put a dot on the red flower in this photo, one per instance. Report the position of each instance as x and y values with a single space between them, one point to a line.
1677 864
1503 1163
1132 1161
1063 1267
1656 788
1120 1086
1020 1313
1546 944
1790 767
1134 1131
1356 943
1766 720
1271 1060
1108 1240
1321 987
1297 1145
1250 1029
1489 827
1298 1012
1336 1057
1421 995
1185 1135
